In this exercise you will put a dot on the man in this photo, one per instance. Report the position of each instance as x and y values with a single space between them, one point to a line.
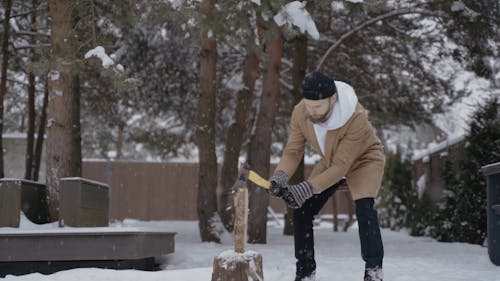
334 122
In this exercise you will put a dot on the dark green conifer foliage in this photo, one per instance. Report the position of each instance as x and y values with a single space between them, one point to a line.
462 212
396 191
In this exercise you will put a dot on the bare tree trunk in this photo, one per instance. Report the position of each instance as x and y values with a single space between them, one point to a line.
3 81
298 72
299 66
207 177
21 126
63 128
76 135
235 138
37 158
28 172
119 141
260 141
31 126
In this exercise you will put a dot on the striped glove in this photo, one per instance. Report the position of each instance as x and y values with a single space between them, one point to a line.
278 181
295 195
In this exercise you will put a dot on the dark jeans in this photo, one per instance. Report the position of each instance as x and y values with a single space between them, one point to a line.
372 250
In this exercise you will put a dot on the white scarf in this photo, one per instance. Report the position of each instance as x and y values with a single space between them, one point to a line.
342 110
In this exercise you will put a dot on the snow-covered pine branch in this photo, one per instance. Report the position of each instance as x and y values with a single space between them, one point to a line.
106 60
365 24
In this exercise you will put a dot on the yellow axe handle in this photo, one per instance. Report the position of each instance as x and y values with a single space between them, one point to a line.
258 180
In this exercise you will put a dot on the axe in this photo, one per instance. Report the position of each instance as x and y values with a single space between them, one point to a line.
254 177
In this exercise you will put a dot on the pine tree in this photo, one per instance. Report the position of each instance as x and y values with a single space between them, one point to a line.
462 214
420 217
396 191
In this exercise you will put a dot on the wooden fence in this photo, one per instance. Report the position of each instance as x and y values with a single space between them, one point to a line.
160 191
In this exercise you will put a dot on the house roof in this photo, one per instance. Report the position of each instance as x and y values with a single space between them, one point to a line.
436 147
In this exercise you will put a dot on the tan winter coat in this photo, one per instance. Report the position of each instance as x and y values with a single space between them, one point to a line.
353 151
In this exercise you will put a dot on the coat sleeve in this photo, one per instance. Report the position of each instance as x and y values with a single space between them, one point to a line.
294 149
352 145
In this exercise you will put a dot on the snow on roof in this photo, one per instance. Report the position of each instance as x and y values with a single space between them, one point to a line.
435 147
16 135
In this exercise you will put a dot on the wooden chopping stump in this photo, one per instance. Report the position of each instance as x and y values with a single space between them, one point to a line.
233 266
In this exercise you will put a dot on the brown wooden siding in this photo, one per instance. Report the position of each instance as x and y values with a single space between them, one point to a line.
433 167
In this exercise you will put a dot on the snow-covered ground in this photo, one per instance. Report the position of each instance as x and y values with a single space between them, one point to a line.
338 256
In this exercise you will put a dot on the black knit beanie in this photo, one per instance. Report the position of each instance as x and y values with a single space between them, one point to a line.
318 86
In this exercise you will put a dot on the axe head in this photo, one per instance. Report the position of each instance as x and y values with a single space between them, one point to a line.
241 181
244 169
246 175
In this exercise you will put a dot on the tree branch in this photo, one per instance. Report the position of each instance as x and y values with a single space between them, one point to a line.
30 33
365 24
15 81
286 85
28 46
24 14
94 20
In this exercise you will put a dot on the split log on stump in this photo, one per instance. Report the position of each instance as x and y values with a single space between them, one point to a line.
233 266
240 219
239 265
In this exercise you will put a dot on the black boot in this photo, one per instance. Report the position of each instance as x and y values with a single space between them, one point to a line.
310 277
374 274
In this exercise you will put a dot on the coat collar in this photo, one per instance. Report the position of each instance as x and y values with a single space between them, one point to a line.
313 139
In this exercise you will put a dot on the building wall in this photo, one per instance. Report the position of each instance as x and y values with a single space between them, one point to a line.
432 166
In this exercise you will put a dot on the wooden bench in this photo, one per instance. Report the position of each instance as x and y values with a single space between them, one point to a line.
83 203
18 195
